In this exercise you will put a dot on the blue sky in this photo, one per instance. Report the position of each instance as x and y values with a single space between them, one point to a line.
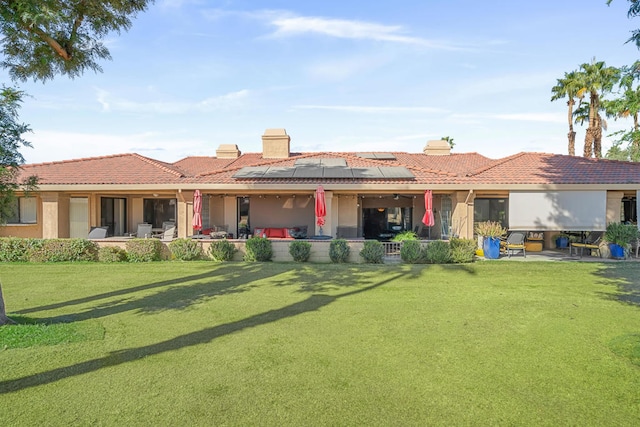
337 75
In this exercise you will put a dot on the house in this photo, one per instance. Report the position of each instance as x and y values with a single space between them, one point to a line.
368 195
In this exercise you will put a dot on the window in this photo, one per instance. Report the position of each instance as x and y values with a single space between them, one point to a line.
157 211
24 211
491 210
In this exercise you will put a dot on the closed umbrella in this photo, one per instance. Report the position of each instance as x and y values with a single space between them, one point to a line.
428 218
321 209
197 211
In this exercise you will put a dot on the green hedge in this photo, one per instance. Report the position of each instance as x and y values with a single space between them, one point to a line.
111 254
185 249
412 252
16 249
222 250
258 249
64 250
463 250
372 252
144 250
300 251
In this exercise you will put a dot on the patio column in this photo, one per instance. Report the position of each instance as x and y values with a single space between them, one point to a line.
55 215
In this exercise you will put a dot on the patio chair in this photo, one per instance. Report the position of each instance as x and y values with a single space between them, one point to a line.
515 242
97 233
591 242
168 234
144 230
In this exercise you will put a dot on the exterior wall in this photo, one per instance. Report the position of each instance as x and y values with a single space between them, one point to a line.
230 214
135 213
348 211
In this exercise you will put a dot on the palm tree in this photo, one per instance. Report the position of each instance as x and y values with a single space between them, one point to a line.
627 106
598 79
571 87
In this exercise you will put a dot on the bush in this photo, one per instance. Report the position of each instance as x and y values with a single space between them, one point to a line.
112 254
300 251
15 249
185 249
222 250
64 250
438 252
258 249
463 250
404 236
339 250
411 252
372 252
144 250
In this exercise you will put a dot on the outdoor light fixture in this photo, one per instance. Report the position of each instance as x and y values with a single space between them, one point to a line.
396 197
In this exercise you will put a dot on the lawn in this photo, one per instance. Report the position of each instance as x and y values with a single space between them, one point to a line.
202 344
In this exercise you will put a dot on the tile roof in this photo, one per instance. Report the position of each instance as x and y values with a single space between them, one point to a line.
455 169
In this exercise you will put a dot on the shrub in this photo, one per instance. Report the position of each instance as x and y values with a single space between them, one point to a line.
490 229
411 252
112 254
144 250
185 249
300 251
14 249
64 250
222 250
372 252
438 252
404 236
339 250
463 250
258 249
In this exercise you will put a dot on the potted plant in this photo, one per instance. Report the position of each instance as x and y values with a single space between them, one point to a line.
491 231
562 240
620 237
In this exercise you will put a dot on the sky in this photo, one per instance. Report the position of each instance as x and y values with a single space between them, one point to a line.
337 75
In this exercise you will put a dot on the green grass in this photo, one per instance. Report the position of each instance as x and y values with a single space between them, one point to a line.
29 333
199 343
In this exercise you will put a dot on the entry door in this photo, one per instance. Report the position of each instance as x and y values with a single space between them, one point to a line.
114 215
78 217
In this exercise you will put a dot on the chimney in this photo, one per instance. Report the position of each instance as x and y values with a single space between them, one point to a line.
275 144
227 151
437 148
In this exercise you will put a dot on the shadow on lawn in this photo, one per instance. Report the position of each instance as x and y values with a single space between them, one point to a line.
626 277
174 294
313 303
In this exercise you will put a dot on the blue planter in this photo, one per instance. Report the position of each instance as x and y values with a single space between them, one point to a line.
491 247
562 242
617 251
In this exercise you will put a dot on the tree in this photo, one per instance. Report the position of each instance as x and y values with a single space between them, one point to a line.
627 147
449 140
48 37
40 39
570 87
597 79
633 12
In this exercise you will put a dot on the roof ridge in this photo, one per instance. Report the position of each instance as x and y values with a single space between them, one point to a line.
263 162
496 163
81 159
160 164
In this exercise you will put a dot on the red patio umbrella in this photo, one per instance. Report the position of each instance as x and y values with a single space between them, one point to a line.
428 218
197 210
321 209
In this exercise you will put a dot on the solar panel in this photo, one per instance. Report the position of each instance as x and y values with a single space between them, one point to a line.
384 156
367 173
308 172
396 172
334 162
251 172
313 162
338 172
366 155
279 172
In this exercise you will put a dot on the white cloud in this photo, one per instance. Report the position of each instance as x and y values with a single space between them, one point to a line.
288 25
221 102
